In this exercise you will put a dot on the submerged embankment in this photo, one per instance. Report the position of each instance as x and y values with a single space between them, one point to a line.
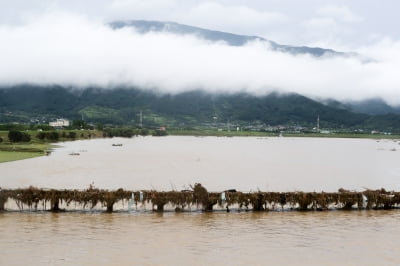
198 198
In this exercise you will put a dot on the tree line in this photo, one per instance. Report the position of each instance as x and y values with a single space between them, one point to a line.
124 132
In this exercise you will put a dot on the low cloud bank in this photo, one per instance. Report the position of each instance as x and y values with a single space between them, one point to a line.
74 51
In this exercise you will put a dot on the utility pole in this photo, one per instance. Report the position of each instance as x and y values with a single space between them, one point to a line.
318 124
141 119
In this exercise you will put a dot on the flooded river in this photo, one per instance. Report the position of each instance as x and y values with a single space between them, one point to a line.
166 163
218 238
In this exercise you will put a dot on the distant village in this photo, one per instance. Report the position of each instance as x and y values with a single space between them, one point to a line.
255 126
60 123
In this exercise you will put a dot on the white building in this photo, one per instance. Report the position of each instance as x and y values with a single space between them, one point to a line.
60 123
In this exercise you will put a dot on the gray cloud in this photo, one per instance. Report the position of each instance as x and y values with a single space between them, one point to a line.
66 49
346 25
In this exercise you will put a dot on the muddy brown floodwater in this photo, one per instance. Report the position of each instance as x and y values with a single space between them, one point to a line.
195 238
274 238
242 163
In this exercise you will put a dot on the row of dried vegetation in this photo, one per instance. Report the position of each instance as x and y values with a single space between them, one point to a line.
50 199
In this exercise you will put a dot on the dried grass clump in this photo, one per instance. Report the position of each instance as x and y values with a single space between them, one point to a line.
201 196
304 200
347 199
3 198
381 199
325 200
159 199
180 200
29 197
258 201
109 198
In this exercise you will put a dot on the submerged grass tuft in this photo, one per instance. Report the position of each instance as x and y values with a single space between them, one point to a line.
33 198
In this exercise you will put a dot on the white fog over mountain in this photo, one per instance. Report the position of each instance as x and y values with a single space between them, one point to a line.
67 45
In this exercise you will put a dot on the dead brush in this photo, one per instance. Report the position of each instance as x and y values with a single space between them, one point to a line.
259 201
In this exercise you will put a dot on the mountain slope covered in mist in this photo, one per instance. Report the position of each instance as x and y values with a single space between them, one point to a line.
122 106
373 107
24 103
145 26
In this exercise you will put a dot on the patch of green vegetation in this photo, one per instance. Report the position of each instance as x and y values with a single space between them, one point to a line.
40 143
189 109
25 147
156 119
218 133
225 133
3 135
343 135
8 156
19 151
98 112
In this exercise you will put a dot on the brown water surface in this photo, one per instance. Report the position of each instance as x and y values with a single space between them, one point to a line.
219 238
243 163
275 238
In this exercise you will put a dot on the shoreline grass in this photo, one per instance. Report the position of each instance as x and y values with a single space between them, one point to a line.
216 133
36 147
21 151
7 156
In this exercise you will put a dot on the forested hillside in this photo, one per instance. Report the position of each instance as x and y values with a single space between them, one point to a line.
26 103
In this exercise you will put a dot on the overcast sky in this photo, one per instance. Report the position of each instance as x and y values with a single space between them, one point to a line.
344 24
48 41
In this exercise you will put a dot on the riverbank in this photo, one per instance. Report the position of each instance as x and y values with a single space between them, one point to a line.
234 133
13 152
39 145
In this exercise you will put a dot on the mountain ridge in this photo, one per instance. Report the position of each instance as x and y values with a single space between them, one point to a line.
145 26
120 105
25 103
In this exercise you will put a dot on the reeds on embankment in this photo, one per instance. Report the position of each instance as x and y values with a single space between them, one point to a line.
197 198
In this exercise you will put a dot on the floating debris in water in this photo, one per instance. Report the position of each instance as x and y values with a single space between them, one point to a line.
198 198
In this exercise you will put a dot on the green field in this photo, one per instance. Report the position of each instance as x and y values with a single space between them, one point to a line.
6 156
342 135
36 147
216 133
19 151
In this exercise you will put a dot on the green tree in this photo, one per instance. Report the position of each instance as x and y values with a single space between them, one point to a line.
26 137
53 135
144 132
18 136
14 136
41 135
159 133
72 135
99 126
78 124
